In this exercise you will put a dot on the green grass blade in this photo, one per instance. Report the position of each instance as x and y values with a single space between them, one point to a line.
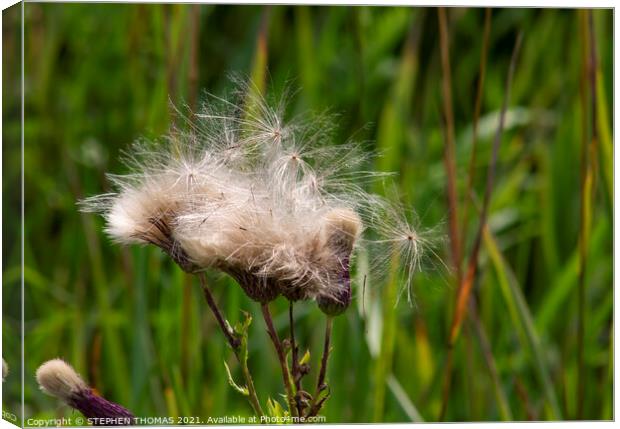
565 281
522 319
403 400
605 138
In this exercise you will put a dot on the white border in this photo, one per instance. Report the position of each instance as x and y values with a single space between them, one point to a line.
480 3
453 3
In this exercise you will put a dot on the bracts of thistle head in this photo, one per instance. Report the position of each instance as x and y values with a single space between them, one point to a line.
57 378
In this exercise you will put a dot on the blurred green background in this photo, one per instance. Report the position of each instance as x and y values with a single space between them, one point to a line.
99 76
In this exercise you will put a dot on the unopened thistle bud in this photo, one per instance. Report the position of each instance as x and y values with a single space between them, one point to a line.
59 379
342 228
340 301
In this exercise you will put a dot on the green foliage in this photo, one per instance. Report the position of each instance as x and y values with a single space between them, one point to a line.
99 76
243 390
275 410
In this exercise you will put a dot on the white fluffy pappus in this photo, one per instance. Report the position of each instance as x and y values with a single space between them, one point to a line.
57 378
274 205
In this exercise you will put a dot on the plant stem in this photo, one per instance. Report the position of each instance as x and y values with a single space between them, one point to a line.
449 153
583 215
226 329
384 360
193 75
320 384
447 384
286 375
234 344
474 140
588 175
485 347
450 167
295 357
466 283
253 397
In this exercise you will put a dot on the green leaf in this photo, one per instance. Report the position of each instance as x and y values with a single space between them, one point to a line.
275 409
306 358
243 390
241 332
241 328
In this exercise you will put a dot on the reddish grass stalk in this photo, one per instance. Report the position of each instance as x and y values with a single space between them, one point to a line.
485 347
194 54
474 140
582 226
445 395
468 281
450 167
449 157
524 398
588 157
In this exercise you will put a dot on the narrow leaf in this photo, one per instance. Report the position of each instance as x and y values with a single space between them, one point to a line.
306 358
522 319
243 390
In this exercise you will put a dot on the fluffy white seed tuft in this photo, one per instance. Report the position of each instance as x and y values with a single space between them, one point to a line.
57 378
240 191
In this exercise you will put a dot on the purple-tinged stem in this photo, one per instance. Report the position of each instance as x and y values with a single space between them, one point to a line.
297 375
286 375
226 329
320 384
234 344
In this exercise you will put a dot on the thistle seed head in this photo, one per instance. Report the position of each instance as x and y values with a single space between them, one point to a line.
241 191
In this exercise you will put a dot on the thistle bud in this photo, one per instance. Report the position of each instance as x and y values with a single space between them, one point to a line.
342 228
59 379
336 304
